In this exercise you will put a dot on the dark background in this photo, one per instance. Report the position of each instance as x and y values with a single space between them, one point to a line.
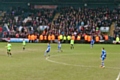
5 4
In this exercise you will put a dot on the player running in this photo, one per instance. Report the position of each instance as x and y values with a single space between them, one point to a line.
92 43
72 44
24 44
9 49
59 47
103 57
48 50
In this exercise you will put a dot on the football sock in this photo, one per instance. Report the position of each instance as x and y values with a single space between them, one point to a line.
23 48
102 63
45 54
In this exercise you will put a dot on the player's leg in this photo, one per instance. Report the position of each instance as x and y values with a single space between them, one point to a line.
23 47
45 53
72 47
91 45
61 49
48 53
102 62
10 53
58 49
7 52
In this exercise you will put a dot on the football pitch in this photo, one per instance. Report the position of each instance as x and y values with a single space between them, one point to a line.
80 63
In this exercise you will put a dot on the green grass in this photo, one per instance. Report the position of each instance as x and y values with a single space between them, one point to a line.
82 63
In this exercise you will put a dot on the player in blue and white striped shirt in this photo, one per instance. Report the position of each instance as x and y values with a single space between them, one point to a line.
59 47
92 43
103 57
47 50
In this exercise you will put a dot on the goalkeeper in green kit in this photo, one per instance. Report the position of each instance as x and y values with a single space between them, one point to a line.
9 49
72 44
24 44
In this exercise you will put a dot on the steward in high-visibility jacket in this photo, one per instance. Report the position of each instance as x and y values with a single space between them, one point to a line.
89 38
29 38
45 37
41 37
78 38
117 39
68 38
33 38
58 37
53 37
97 38
49 37
64 38
85 37
61 36
106 37
72 37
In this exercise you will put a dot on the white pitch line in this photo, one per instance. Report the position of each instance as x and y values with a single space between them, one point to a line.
64 63
118 77
56 61
47 58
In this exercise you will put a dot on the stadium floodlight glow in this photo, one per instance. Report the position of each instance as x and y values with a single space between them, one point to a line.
85 4
28 4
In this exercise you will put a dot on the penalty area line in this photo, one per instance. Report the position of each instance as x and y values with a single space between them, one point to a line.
118 77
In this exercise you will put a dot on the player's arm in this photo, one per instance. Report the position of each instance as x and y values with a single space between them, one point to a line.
101 54
105 55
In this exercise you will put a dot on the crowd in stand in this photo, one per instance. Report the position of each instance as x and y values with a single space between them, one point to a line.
21 22
117 27
85 20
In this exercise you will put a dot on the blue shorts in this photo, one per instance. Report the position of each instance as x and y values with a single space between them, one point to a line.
59 47
103 58
92 44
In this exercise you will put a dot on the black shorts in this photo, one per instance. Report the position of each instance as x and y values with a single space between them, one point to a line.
8 50
72 44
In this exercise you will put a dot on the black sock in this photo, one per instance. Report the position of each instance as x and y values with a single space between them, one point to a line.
10 53
23 48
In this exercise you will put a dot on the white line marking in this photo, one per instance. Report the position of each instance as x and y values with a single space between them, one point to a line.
47 58
118 76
